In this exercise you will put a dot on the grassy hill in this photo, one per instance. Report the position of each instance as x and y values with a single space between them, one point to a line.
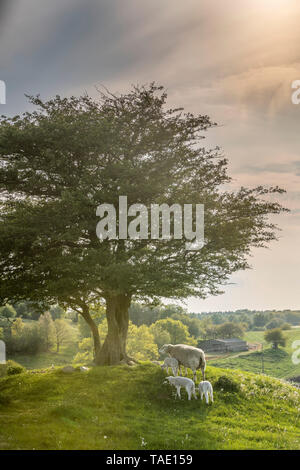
126 407
276 363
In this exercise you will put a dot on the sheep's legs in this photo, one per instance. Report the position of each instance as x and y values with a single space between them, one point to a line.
212 396
194 393
206 398
189 392
178 392
195 375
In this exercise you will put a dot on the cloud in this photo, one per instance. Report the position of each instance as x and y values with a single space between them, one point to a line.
233 60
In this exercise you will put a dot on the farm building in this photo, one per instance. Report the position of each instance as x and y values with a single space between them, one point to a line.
223 345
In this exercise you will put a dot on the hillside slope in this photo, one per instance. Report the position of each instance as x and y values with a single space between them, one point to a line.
129 408
277 363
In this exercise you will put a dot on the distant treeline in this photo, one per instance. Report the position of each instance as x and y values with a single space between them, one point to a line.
203 325
29 329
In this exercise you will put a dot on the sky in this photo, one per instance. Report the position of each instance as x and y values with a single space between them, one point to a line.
233 60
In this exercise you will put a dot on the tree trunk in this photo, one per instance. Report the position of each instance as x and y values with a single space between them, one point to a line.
114 347
95 332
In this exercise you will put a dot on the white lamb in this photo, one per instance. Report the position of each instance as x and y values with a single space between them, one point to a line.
179 382
205 388
170 362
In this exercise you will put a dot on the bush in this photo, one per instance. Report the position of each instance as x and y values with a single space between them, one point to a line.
13 368
226 384
3 368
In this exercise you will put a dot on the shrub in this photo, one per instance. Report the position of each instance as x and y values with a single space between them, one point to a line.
3 369
226 384
14 368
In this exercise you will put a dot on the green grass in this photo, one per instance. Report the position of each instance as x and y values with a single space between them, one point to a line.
121 407
276 363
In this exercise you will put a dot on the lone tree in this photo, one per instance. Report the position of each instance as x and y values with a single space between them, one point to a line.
69 155
276 337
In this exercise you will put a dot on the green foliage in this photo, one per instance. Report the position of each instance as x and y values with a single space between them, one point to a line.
23 338
30 310
47 331
227 384
161 335
140 344
274 323
63 333
276 337
230 330
85 354
13 368
7 314
57 312
210 331
3 368
84 329
141 314
260 319
178 332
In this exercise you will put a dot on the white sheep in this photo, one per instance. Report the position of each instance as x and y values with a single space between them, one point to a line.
185 382
187 356
170 362
205 388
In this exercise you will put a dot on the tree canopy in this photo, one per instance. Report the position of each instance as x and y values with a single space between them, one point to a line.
60 161
276 337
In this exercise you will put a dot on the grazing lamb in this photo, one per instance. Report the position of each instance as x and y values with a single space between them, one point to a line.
179 382
170 362
205 388
187 356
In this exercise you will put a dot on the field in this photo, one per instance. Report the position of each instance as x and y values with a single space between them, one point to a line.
46 359
276 363
126 407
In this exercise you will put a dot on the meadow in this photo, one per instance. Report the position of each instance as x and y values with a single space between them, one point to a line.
125 407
